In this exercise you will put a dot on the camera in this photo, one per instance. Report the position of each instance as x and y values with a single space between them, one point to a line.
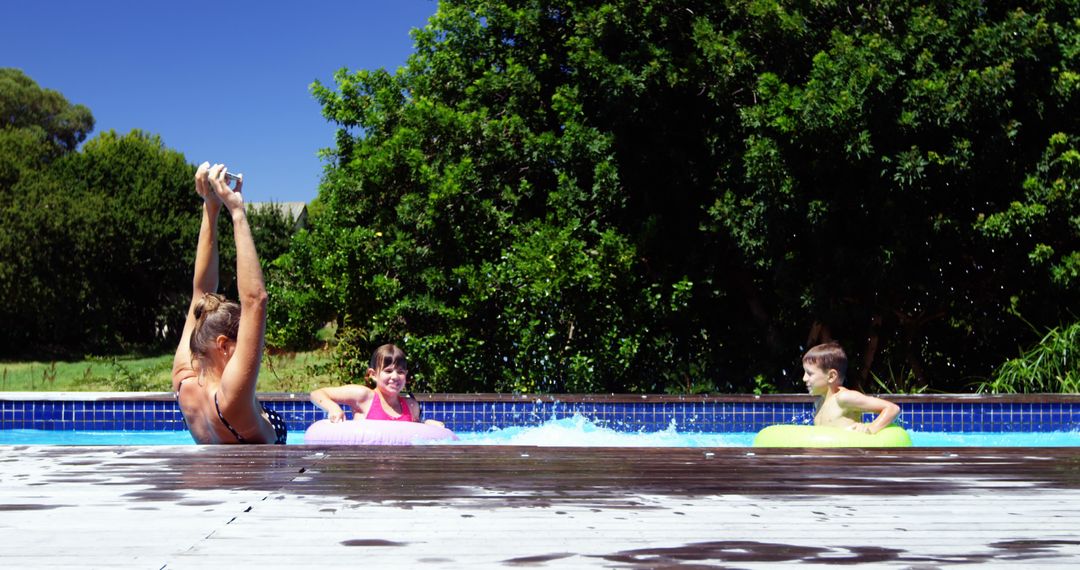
231 179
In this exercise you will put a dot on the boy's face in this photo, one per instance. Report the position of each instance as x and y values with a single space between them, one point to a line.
816 379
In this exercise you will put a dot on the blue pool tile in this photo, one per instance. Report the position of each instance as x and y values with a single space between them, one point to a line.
648 416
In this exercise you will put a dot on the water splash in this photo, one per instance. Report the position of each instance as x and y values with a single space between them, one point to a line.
579 431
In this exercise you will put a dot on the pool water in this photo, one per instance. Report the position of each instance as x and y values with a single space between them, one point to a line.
576 431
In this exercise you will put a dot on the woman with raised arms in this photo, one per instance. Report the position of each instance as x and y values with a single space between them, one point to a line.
217 362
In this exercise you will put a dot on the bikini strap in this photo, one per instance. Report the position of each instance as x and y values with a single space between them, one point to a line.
239 437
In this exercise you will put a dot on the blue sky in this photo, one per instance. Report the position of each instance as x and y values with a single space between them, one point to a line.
224 81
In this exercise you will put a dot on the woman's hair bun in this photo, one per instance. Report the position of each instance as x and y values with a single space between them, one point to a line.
214 315
208 304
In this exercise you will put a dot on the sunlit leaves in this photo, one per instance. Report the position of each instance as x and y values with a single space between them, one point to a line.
1046 221
624 195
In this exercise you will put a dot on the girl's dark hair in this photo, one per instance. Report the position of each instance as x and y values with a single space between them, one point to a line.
386 355
828 356
214 316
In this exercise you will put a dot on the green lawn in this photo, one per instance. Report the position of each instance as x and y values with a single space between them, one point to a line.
288 372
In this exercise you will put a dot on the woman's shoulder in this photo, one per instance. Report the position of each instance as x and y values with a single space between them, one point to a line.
183 375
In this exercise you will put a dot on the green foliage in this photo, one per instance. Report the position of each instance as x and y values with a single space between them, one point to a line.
872 154
479 216
1048 220
296 372
272 229
25 105
762 385
351 360
619 196
612 196
300 302
97 245
36 126
112 229
1050 366
899 381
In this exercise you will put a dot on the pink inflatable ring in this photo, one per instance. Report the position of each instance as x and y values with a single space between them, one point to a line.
374 432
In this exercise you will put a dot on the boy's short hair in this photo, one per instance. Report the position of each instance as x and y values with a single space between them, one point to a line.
828 356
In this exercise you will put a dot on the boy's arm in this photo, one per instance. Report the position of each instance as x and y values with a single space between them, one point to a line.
886 411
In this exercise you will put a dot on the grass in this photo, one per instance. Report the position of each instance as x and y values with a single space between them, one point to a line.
899 381
283 372
1050 366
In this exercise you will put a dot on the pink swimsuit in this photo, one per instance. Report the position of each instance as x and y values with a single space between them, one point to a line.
376 412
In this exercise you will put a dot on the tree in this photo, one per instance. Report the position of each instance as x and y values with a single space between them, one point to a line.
871 162
36 126
627 196
272 228
99 249
97 244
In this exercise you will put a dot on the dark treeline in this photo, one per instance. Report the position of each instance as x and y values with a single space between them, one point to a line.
626 196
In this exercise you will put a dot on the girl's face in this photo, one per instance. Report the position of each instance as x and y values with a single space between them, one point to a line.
390 379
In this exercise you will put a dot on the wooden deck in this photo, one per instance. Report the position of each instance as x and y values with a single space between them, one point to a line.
492 507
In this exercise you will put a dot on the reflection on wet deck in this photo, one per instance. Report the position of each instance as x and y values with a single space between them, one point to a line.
458 507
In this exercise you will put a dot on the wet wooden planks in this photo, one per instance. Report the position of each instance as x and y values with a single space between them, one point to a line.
478 506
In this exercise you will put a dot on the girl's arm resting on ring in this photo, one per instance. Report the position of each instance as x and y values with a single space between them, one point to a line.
328 399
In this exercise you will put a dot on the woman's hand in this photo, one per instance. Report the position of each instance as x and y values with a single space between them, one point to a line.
232 199
337 416
860 428
202 185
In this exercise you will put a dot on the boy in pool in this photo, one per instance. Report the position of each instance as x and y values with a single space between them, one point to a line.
824 370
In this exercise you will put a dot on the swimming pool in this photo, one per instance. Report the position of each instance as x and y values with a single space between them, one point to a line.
602 421
568 432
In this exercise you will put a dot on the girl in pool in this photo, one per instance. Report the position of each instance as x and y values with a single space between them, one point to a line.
389 370
217 363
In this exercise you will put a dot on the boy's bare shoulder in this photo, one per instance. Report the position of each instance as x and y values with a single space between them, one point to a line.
853 399
846 395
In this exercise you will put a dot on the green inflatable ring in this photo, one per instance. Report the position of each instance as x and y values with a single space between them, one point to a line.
823 436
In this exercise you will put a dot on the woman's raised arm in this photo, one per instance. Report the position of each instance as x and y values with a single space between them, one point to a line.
240 374
206 270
